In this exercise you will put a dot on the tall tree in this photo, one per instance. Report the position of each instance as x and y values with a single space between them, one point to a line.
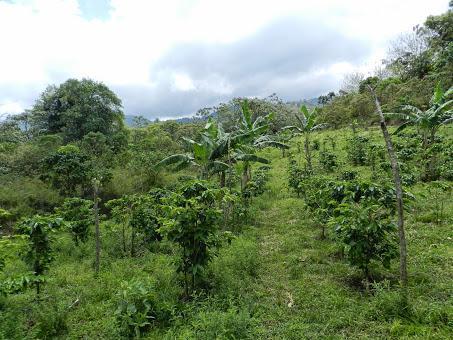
76 108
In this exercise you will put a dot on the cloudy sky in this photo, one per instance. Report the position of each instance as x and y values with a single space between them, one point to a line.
170 58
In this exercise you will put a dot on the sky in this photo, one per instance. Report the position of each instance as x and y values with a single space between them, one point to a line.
170 58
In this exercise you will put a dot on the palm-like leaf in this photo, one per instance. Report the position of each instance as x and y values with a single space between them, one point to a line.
303 121
402 127
292 128
447 121
430 120
250 157
175 159
272 143
217 166
319 127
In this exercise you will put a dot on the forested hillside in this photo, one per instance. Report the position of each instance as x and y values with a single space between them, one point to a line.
258 218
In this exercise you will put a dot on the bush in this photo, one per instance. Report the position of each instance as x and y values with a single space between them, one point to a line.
296 176
357 150
78 213
366 234
140 305
328 160
348 175
315 144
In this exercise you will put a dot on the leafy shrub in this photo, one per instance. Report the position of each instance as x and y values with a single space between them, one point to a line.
138 215
66 169
446 170
324 194
406 147
409 175
348 175
191 220
328 160
315 144
357 150
446 167
365 232
376 152
296 176
235 212
78 213
139 306
39 255
257 185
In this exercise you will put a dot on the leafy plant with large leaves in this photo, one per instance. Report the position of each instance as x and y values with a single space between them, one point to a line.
428 123
217 150
205 155
250 137
308 122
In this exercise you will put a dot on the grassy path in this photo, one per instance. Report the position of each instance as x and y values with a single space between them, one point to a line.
303 292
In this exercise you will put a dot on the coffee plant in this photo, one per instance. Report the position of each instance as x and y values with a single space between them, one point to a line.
78 213
192 218
357 150
366 234
39 256
328 160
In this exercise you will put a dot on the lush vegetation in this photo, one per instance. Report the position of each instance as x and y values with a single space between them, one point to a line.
261 220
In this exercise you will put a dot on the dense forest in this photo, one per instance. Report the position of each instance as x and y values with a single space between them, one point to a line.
257 218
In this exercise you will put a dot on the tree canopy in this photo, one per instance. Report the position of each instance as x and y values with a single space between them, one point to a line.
76 108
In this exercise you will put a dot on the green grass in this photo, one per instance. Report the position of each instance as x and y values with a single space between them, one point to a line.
277 279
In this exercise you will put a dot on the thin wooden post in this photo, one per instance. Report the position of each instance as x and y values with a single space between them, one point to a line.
398 189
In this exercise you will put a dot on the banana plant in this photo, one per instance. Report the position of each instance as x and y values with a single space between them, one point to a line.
429 121
217 150
204 155
251 136
307 124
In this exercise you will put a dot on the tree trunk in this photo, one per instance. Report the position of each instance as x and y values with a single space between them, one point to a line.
398 189
96 223
124 238
222 179
132 242
307 151
244 179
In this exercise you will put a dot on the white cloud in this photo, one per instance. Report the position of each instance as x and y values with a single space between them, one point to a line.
48 41
182 82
